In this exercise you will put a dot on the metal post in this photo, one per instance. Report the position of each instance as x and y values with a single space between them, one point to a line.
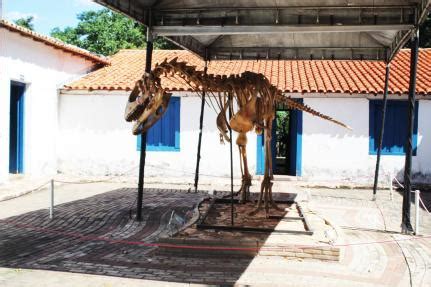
200 132
51 205
406 224
417 208
382 129
148 59
231 162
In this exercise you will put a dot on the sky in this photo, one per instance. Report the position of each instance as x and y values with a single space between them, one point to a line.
47 14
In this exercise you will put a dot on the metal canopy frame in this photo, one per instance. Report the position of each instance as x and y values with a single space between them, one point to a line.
282 29
288 30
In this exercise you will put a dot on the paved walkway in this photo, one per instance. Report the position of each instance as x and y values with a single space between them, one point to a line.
30 243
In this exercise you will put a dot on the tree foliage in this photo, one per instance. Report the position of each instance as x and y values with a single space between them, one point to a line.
26 22
425 33
105 32
281 133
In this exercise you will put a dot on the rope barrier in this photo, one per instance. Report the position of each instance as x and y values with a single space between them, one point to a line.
396 180
28 191
153 166
420 198
423 204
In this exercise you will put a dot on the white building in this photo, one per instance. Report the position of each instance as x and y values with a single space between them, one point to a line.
94 139
32 69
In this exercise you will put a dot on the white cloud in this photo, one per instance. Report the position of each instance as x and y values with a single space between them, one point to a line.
86 4
14 15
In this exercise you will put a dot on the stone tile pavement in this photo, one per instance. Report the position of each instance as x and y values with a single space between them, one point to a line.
31 244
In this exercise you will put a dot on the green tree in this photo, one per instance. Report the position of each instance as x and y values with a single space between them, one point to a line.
105 32
425 33
26 22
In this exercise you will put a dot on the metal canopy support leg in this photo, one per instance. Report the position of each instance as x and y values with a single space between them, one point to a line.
149 56
198 157
406 224
382 129
231 161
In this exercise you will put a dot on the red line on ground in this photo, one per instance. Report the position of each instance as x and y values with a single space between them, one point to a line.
198 247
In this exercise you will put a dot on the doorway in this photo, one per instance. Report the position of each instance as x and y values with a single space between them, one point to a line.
286 144
280 142
16 128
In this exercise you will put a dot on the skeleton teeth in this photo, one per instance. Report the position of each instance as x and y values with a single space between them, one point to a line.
133 111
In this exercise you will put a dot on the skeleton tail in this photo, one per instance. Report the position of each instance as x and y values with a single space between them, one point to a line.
291 103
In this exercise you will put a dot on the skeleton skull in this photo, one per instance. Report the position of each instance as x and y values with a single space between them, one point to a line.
147 103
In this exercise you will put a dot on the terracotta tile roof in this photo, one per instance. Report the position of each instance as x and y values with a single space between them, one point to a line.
53 42
291 76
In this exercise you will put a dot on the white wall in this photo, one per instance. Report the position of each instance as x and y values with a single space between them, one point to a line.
94 139
43 69
332 153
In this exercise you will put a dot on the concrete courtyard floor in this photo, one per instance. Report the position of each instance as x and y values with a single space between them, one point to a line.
68 250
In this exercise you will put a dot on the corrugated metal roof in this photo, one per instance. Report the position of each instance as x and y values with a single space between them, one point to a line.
282 29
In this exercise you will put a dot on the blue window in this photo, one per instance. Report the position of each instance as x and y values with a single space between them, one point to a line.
165 134
395 134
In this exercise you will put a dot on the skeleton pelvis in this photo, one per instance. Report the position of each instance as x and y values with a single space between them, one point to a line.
243 120
241 123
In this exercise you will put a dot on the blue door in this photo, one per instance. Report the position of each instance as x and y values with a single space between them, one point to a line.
260 155
16 128
295 144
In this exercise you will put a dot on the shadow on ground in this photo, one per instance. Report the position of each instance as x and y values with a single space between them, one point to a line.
72 242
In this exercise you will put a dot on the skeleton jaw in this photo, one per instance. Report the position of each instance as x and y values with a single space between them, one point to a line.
134 106
153 110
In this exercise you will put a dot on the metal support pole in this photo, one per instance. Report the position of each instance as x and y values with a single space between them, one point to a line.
231 161
406 224
148 59
198 157
382 129
51 204
417 209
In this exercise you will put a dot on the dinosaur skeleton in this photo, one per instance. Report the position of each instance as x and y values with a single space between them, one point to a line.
250 97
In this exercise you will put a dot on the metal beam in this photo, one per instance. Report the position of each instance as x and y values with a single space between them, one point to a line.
188 43
272 29
332 8
143 154
231 160
299 53
201 120
414 50
382 130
